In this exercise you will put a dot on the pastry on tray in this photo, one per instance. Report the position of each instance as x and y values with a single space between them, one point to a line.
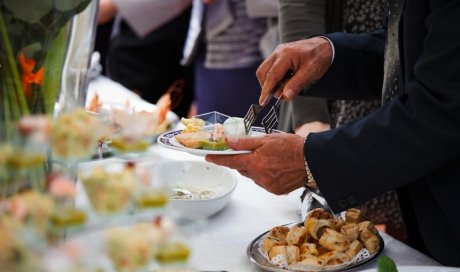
321 242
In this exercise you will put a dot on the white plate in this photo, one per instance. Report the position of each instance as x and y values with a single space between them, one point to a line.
421 268
168 140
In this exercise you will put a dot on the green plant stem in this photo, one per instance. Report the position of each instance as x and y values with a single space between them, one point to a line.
54 63
13 111
8 132
12 63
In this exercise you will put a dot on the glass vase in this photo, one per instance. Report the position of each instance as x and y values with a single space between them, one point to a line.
45 50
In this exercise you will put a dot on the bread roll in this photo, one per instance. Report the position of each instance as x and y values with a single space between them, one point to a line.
313 226
367 225
354 248
279 232
351 230
333 258
354 216
268 242
296 235
290 253
372 244
308 260
334 240
308 249
319 213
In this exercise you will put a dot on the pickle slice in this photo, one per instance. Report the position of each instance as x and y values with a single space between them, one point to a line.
214 145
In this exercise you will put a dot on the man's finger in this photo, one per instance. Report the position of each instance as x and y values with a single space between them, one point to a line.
263 69
244 143
276 73
245 173
297 83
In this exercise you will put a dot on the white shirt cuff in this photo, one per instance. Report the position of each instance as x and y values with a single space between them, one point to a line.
332 46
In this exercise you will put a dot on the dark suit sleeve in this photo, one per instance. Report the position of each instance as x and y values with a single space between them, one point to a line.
357 70
410 137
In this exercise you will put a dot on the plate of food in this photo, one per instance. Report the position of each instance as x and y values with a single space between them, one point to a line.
320 243
205 134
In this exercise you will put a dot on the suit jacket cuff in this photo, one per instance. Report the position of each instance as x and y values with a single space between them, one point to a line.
332 46
335 191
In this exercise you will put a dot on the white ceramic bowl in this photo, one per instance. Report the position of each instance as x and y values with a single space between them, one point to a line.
198 175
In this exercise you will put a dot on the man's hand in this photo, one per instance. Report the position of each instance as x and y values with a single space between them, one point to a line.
309 59
107 11
315 126
276 162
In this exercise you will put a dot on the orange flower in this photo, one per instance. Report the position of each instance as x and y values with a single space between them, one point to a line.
28 77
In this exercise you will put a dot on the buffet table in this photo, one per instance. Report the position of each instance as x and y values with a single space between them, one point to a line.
221 243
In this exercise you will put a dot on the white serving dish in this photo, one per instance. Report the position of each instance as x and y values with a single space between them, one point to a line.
197 174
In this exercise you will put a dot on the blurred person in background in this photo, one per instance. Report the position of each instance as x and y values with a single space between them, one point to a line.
102 40
300 19
225 49
146 47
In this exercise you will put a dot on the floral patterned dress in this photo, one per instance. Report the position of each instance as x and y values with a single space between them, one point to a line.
367 16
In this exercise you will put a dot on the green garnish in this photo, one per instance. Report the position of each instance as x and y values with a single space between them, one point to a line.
386 264
214 145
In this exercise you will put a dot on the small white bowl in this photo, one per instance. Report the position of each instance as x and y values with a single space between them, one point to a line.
197 175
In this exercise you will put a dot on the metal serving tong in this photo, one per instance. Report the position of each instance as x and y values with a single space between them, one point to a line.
271 119
311 199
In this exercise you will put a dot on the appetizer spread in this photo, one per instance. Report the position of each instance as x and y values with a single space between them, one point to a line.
75 134
16 252
133 248
30 208
132 129
109 192
322 241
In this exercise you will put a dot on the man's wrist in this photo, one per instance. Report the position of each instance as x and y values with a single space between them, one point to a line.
331 44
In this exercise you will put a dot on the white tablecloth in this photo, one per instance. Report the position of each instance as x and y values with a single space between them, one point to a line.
221 244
